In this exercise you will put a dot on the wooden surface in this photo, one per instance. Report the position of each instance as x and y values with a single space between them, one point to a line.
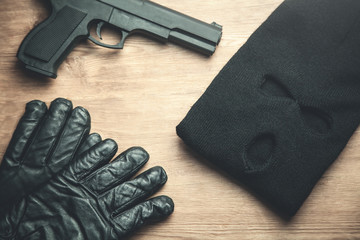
139 94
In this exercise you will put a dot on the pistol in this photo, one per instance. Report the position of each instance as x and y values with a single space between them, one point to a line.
48 44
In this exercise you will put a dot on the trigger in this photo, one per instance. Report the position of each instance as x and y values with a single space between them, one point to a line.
98 29
120 45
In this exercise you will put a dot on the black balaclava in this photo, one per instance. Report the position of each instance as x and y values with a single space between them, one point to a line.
283 108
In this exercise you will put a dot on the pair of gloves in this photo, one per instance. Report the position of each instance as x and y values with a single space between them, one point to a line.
57 181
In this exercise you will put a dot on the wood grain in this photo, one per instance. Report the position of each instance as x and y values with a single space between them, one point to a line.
139 94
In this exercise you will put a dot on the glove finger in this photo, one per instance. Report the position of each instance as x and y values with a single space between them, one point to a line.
155 209
76 128
34 113
118 171
89 142
10 219
94 158
48 132
132 192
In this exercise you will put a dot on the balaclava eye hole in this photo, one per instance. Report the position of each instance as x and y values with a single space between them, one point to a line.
273 87
317 120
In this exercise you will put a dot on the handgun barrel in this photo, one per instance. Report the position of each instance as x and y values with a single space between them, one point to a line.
182 29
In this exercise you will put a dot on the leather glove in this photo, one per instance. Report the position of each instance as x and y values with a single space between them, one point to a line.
91 199
283 108
44 141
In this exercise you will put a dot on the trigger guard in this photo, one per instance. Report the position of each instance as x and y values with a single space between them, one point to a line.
120 45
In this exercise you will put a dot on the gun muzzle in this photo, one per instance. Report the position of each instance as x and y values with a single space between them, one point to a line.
205 42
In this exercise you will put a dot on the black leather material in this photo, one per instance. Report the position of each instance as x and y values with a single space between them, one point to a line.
91 199
44 141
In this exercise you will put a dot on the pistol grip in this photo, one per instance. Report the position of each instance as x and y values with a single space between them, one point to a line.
47 45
